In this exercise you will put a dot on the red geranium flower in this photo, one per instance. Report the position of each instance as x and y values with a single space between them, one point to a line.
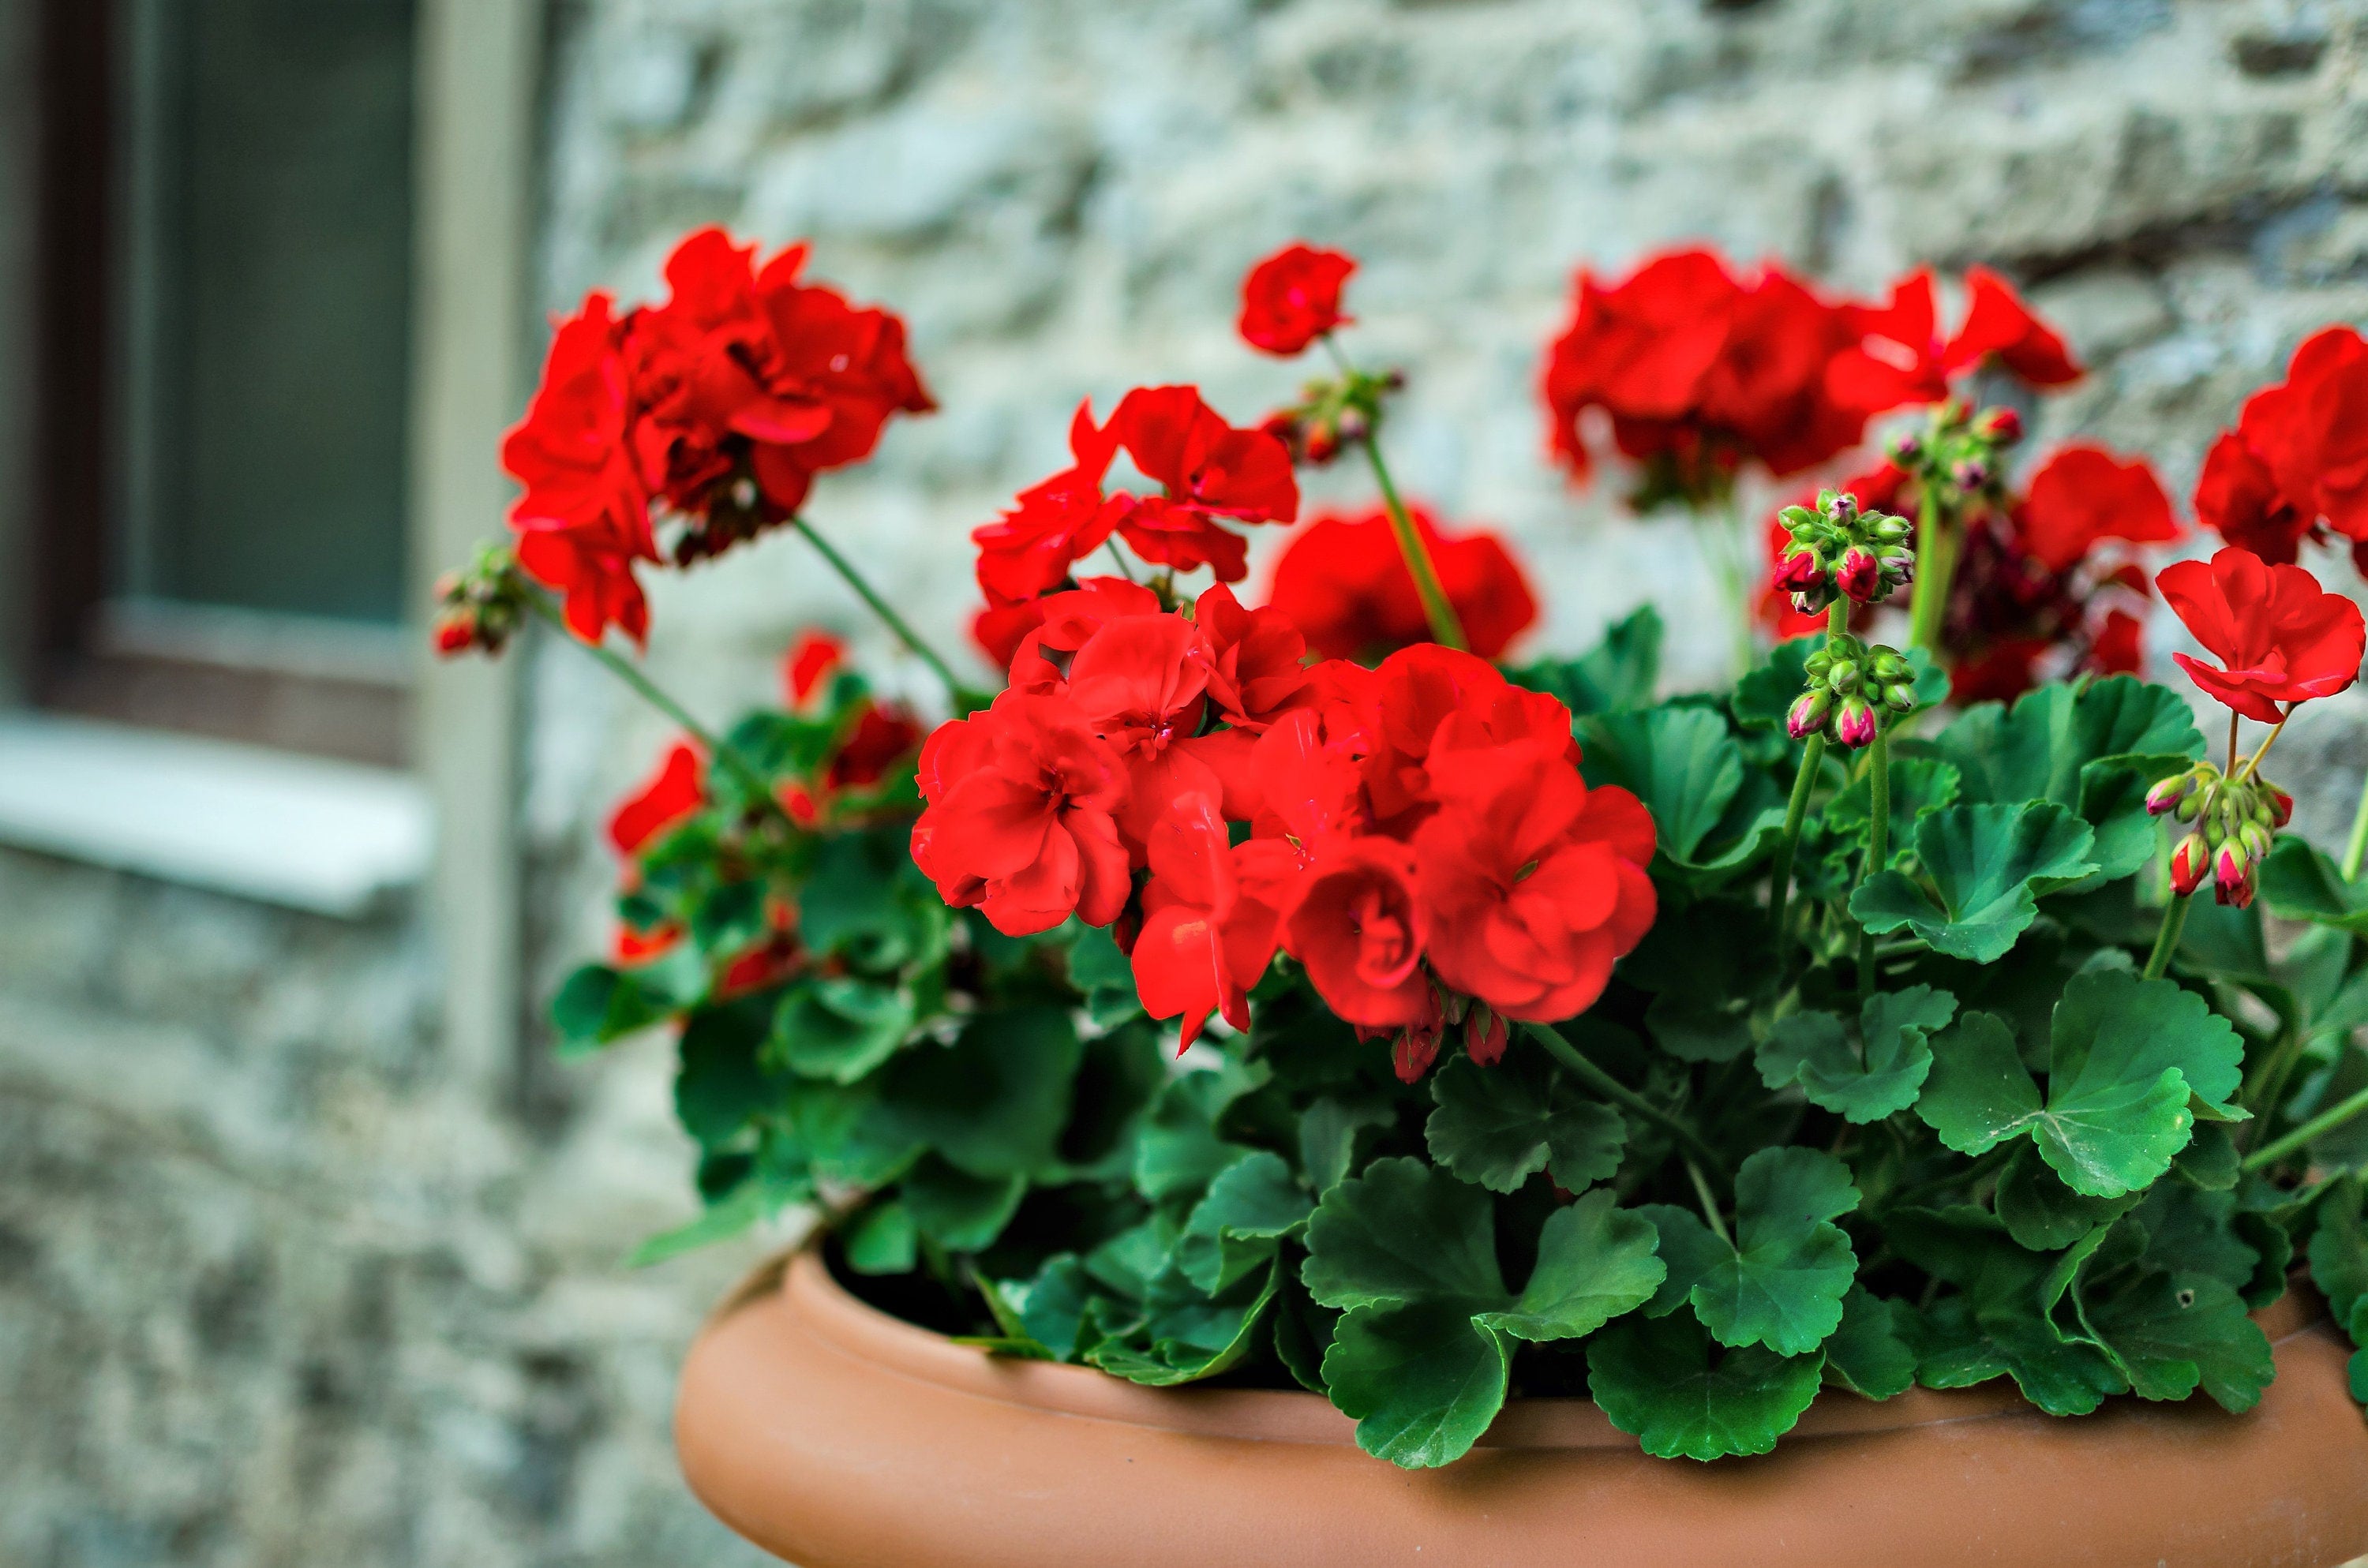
1256 659
1535 882
1344 582
2297 462
2083 493
1292 298
2000 326
1210 919
675 791
1901 360
1207 470
1054 524
1701 371
2279 637
812 660
1019 822
1360 928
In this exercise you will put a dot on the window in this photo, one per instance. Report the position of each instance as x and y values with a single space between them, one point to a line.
226 258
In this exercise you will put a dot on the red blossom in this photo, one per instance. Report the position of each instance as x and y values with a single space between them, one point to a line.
2279 637
1210 918
1019 822
1900 359
813 659
1054 524
2297 465
1292 298
1344 581
2082 495
677 789
1999 327
1256 659
1360 927
1207 470
2237 497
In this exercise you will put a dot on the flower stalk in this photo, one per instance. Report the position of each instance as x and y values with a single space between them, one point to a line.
963 698
2165 938
1446 626
2310 1131
1878 844
1619 1094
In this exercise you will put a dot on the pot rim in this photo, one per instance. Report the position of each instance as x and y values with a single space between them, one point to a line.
828 1312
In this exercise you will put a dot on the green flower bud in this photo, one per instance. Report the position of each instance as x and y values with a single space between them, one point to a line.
1843 678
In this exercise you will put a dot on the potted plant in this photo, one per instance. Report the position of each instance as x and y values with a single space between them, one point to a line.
1257 1034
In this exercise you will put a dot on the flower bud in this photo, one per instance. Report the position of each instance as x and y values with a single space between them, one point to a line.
2188 864
1843 508
1900 697
1891 530
1907 450
1807 716
2281 804
1483 1036
2232 876
2168 795
1820 660
456 630
1799 571
1352 427
1843 678
1859 574
2254 839
1854 724
1321 444
2003 425
1970 473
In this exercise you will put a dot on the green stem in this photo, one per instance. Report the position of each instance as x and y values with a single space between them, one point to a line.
2165 940
1123 569
1878 845
1933 568
2267 1085
1728 550
1781 874
726 756
1709 1203
963 697
2357 849
1446 626
1619 1094
2317 1127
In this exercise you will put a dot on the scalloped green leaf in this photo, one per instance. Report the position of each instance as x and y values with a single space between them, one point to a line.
1595 1262
2299 882
1419 1378
1783 1281
1878 1077
1499 1126
1664 1382
1235 1230
838 1027
1680 761
1987 866
2170 1333
2125 1056
1618 673
1868 1354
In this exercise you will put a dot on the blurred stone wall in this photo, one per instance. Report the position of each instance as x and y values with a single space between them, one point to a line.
274 1288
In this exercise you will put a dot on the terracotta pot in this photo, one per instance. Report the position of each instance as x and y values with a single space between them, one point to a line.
837 1437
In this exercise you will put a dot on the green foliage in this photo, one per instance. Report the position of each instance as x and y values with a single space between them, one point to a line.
2000 1154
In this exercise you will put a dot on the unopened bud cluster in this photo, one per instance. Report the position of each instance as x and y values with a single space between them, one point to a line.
1849 680
1332 415
480 606
1839 552
1961 450
2234 821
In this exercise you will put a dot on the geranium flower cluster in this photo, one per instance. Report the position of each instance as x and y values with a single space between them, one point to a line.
2281 641
1343 582
1701 370
1209 472
1416 835
2297 465
1836 550
672 432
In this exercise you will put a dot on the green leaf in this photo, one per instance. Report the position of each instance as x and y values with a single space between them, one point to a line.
864 899
1233 1232
1988 866
2300 882
1179 1150
1665 1383
598 1003
1688 1251
2092 747
1998 1326
1618 673
1303 1332
992 1103
2043 1214
1053 1309
1783 1284
1920 787
1766 693
1328 1135
1499 1126
1880 1078
1867 1355
959 1211
1420 1379
840 1029
756 1199
1185 1338
2170 1333
2126 1055
730 917
1419 1355
2338 1247
723 1084
1595 1262
1680 761
883 1241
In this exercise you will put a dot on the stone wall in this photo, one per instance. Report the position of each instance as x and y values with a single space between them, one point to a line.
275 1287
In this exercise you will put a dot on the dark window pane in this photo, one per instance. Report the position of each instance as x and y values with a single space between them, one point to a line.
267 276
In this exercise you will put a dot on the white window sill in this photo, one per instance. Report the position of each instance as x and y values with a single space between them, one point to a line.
331 837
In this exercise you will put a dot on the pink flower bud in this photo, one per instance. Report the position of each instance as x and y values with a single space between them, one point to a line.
2003 425
1859 574
1799 572
1971 474
1854 726
1417 1049
1483 1036
1807 715
2281 805
2232 875
2190 863
2164 797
